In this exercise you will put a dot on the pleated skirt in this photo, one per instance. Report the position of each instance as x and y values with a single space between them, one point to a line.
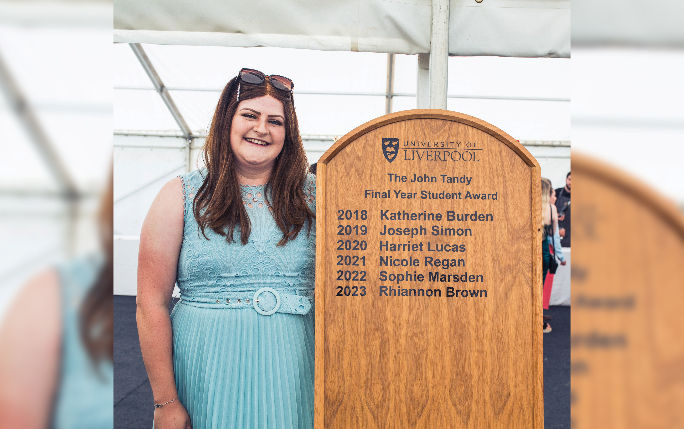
235 368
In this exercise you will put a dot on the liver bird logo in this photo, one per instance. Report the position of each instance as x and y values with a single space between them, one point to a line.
390 148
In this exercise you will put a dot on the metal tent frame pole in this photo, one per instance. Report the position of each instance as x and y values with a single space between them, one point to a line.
163 92
390 84
433 67
33 127
46 149
439 54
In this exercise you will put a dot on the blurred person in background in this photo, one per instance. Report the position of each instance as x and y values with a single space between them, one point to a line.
238 238
563 207
557 241
57 343
550 246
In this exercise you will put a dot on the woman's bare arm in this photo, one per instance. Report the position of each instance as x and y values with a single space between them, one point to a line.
160 243
29 354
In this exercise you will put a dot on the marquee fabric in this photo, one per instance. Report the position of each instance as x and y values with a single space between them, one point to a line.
521 28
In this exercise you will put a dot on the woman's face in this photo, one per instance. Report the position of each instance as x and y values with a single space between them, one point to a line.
552 199
257 132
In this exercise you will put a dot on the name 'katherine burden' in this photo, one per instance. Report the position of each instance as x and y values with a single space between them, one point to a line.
451 216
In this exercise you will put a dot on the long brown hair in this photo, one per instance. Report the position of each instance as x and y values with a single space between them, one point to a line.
96 312
218 203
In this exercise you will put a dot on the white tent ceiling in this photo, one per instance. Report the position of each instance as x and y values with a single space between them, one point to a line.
523 28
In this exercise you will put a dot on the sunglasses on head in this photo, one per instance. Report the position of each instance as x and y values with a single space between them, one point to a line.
255 77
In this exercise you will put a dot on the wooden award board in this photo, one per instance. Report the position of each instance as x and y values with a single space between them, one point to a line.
428 277
627 297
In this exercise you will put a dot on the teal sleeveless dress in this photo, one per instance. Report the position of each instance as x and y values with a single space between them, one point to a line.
84 397
243 329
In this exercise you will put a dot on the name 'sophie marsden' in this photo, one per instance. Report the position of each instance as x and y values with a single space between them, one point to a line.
397 290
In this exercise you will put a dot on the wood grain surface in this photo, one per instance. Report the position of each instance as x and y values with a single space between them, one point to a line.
386 361
628 266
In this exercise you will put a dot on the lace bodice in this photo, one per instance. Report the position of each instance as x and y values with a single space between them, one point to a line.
214 266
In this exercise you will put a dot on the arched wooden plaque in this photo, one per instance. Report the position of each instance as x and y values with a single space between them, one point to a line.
452 204
628 266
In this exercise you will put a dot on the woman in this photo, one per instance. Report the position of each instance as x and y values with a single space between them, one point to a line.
238 238
557 247
56 354
549 229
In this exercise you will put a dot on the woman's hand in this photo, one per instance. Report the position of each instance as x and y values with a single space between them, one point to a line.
172 416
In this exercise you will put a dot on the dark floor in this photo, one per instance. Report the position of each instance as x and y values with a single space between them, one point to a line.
133 397
557 370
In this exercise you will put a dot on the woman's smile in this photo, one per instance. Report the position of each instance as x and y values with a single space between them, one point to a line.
257 141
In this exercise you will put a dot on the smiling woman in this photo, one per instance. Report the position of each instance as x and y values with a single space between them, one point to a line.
237 350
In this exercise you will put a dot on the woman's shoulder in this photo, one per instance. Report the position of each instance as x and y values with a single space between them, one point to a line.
172 193
181 189
166 213
191 181
37 300
57 289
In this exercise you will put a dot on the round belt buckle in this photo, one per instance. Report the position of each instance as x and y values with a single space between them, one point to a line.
255 303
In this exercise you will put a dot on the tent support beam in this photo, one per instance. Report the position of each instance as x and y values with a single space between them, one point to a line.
423 84
161 90
439 54
46 149
433 67
390 83
34 129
